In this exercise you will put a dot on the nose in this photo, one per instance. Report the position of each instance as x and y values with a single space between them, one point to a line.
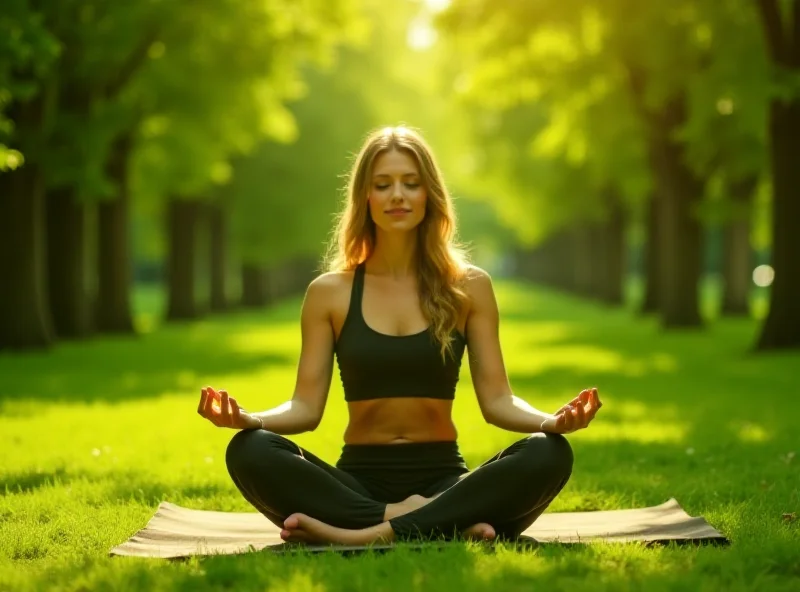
397 191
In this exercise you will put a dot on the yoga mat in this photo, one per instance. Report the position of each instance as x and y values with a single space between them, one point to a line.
176 532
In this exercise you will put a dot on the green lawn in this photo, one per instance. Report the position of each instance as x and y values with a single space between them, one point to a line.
96 434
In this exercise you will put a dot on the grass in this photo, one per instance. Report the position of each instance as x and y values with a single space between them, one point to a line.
96 434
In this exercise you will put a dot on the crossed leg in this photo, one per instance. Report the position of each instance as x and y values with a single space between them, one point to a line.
502 497
280 479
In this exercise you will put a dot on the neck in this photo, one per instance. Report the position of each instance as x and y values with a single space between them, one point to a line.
395 254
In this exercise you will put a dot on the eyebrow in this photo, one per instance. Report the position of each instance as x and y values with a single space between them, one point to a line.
403 175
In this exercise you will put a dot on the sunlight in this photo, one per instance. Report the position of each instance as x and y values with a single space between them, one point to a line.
751 432
437 5
421 35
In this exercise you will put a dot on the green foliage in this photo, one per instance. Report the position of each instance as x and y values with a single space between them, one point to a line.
589 71
284 196
215 86
28 51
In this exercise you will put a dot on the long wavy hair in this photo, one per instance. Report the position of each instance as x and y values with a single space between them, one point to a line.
442 262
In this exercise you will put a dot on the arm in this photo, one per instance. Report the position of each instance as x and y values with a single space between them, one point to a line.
499 406
304 411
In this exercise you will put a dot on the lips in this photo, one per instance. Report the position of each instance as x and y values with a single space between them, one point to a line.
398 211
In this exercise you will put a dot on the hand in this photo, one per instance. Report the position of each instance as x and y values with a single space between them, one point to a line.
223 411
575 415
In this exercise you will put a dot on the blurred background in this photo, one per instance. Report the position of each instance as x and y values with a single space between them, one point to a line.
163 160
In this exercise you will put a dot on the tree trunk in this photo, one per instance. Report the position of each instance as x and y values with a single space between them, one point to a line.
612 288
680 232
651 257
113 312
24 314
67 264
182 230
255 286
561 260
782 326
218 258
737 259
584 259
279 279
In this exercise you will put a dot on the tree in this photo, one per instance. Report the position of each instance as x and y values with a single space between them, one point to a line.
667 61
578 108
27 53
782 34
216 90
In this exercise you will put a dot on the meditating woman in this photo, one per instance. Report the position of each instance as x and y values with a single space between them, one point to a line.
398 308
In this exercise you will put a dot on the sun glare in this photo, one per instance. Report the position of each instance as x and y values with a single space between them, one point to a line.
437 5
421 35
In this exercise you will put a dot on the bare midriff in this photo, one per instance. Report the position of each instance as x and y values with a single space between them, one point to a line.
399 420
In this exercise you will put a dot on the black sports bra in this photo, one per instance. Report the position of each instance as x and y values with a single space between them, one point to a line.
374 365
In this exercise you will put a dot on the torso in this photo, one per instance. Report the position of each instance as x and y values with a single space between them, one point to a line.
392 308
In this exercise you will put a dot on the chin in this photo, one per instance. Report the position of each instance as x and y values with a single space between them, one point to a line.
400 227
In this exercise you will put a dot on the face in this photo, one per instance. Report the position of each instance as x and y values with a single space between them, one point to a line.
396 194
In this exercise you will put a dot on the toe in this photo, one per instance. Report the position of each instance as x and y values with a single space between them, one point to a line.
292 522
295 536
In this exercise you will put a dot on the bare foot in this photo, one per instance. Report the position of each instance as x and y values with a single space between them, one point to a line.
479 532
411 503
302 528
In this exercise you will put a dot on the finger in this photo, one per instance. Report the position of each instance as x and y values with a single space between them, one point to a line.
596 404
590 414
208 412
236 413
568 419
586 396
580 398
202 404
226 414
575 416
580 416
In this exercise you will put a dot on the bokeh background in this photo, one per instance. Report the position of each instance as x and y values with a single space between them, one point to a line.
626 170
163 161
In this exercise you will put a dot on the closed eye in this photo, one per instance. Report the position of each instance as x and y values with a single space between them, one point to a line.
408 185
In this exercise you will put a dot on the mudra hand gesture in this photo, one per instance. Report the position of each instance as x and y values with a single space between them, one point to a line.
575 415
223 411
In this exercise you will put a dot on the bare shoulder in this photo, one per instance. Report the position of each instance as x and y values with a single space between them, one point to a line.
473 272
477 281
477 284
329 289
330 282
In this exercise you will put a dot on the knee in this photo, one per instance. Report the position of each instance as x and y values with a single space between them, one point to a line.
247 447
550 453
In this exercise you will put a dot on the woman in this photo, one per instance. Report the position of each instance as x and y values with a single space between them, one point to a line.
398 308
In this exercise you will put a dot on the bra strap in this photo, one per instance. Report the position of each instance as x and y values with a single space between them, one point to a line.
357 292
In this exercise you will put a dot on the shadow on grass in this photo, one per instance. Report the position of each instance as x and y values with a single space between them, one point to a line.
117 486
31 480
709 383
177 356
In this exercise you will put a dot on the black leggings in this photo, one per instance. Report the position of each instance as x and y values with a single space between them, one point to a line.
508 491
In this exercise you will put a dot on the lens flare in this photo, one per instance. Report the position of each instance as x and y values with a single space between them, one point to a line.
763 276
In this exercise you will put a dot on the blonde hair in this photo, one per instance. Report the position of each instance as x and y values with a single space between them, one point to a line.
441 264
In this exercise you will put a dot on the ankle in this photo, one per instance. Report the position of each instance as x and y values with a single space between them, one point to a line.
393 511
